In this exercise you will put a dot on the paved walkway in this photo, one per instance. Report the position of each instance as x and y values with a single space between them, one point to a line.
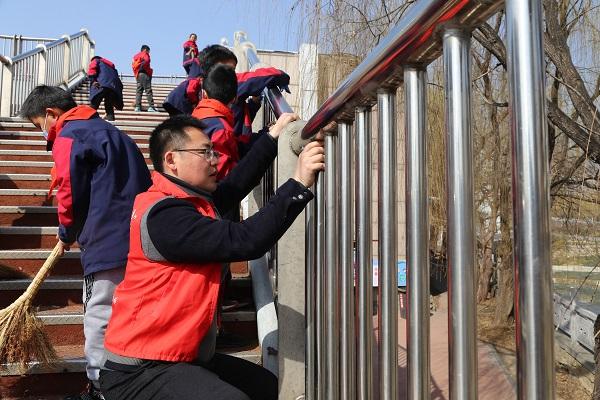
493 382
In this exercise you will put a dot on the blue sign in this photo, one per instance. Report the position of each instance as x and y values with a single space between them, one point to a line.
401 273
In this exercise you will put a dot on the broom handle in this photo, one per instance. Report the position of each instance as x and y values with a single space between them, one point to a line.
36 283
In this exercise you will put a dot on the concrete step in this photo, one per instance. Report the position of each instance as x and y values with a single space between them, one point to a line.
27 237
12 146
25 197
55 291
33 167
35 155
24 181
25 263
67 376
28 216
19 125
9 136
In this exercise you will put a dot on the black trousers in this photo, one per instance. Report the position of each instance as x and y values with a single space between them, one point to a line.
225 378
107 96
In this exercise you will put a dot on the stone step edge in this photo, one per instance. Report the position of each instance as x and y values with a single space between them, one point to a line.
24 177
28 230
28 209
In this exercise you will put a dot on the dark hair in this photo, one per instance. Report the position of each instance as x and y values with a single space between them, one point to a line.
214 54
145 47
193 35
42 97
221 83
170 134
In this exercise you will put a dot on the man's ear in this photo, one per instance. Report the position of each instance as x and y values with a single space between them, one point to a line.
54 112
169 161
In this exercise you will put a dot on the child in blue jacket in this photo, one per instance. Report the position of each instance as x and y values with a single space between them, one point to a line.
99 171
106 85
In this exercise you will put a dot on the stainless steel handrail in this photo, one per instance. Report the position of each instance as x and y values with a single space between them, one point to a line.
413 40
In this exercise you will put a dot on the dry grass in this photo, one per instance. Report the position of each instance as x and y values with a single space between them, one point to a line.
502 337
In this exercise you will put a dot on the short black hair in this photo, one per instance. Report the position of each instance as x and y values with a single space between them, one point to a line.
214 54
221 83
145 47
170 134
193 34
43 97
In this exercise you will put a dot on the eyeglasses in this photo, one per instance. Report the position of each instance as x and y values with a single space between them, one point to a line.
208 154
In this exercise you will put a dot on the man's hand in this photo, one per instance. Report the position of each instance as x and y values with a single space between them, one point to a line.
282 121
310 162
96 85
64 246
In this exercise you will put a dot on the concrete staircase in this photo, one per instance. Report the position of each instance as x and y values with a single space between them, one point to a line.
28 225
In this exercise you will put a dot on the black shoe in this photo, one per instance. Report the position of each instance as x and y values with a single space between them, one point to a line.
91 393
109 117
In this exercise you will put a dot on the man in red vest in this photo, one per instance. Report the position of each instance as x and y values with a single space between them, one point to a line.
161 338
143 76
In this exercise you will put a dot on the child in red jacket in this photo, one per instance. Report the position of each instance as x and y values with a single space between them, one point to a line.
219 91
143 76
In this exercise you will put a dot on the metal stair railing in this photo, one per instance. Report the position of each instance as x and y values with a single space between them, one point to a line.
430 29
13 45
62 62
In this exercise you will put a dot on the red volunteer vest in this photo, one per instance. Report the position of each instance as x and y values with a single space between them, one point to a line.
162 310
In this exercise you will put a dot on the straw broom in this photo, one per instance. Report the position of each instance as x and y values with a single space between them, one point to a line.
22 336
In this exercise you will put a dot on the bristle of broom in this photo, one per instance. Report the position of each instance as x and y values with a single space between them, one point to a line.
22 338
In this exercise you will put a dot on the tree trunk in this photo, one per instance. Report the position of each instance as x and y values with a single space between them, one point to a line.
505 298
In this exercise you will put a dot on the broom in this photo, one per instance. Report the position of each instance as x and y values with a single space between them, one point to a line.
22 336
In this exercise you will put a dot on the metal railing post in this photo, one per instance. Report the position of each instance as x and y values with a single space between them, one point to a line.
461 226
41 78
387 254
66 59
320 283
332 271
7 85
310 390
347 320
85 52
531 208
417 233
364 256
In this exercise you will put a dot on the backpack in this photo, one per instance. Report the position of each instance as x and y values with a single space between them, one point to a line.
135 65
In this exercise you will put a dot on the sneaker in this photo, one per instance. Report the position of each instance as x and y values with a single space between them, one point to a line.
109 117
90 393
152 109
137 109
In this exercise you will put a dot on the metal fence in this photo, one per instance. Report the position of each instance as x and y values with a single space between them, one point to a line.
12 46
429 30
61 62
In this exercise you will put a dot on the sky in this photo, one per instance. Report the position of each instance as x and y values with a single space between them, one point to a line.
119 28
